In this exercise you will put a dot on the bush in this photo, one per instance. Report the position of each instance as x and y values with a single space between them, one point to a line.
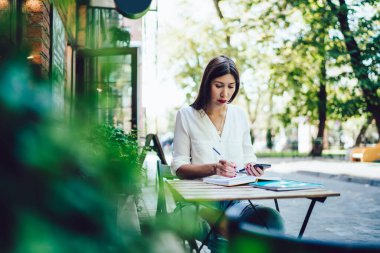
123 158
58 180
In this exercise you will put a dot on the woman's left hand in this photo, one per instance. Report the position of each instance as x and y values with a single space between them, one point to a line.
253 170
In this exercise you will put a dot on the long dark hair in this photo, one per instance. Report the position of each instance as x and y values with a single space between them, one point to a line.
218 66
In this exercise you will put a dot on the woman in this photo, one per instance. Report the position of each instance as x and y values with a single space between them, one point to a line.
212 137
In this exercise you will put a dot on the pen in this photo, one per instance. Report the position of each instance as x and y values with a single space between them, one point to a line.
216 151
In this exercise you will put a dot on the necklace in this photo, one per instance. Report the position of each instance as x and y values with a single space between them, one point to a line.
220 124
220 129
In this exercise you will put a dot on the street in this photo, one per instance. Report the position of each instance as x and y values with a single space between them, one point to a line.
352 217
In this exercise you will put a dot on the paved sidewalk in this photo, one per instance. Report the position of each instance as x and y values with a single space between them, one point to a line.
352 217
366 173
358 172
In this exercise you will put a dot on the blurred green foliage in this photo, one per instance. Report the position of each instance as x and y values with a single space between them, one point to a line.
243 245
60 181
123 155
63 181
281 154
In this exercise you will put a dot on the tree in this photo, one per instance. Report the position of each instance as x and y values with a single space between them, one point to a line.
321 25
304 47
370 52
192 54
300 68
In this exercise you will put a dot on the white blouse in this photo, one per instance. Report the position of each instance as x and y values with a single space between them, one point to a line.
195 138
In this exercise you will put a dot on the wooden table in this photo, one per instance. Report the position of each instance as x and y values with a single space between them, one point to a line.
197 191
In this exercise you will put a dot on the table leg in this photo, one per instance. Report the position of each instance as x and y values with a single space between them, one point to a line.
304 224
276 203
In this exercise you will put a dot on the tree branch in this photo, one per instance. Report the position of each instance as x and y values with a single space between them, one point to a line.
218 10
221 17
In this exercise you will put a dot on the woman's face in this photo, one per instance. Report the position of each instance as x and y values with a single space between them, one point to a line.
222 89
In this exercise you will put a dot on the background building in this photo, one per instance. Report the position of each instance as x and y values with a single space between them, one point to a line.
88 51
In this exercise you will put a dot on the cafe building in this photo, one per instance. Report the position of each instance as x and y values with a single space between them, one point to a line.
90 51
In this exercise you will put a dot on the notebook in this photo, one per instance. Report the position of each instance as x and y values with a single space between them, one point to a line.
241 178
285 185
230 181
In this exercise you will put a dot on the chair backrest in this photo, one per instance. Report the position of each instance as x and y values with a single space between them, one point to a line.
163 173
247 237
156 146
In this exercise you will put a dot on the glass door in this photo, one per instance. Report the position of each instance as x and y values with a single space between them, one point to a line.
107 84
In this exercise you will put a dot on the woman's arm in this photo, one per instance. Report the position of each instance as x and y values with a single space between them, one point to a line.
181 145
192 171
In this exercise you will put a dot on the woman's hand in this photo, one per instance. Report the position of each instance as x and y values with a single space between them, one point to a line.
253 170
225 168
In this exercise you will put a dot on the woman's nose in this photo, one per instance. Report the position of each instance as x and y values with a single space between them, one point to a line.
224 93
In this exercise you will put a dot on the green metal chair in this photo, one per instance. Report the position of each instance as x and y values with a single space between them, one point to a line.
163 173
245 237
153 143
155 147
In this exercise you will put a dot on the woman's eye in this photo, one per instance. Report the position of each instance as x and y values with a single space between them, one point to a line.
231 87
219 86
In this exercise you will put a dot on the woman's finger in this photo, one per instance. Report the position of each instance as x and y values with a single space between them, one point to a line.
256 171
223 162
259 170
248 169
230 164
230 173
227 171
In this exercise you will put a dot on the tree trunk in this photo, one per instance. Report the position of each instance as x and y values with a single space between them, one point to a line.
252 116
318 142
322 100
369 89
362 131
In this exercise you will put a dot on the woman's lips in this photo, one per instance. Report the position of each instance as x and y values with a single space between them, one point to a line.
222 101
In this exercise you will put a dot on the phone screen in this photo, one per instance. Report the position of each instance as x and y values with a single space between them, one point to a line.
263 165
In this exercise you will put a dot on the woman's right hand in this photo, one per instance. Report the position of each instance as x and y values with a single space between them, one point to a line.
225 168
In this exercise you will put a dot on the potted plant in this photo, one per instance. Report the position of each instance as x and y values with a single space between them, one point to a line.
122 157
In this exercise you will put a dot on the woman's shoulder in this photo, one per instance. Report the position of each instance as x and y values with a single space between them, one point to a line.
187 111
236 109
240 114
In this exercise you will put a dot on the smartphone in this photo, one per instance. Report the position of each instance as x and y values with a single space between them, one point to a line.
262 166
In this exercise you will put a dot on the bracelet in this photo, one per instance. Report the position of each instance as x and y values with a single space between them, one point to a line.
214 166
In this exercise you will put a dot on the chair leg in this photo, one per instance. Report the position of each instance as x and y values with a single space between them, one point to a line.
193 245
